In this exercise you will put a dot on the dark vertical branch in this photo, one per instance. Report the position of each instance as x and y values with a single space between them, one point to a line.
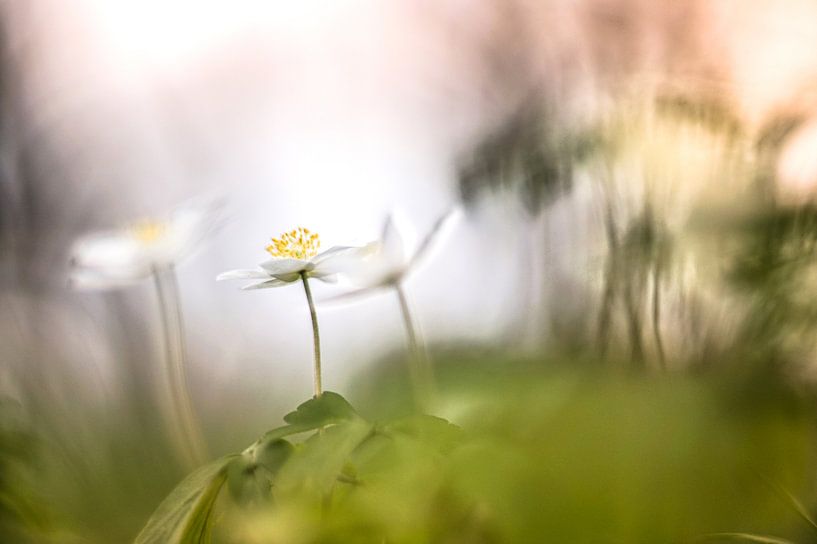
656 315
610 280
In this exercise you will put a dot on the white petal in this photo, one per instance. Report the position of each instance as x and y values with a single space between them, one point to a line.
276 267
264 284
108 250
243 274
107 260
365 267
394 247
435 235
191 223
326 278
331 253
343 258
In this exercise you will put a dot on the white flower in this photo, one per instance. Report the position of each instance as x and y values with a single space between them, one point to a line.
115 258
294 255
386 262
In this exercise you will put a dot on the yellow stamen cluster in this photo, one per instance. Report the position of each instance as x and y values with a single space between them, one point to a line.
148 232
298 243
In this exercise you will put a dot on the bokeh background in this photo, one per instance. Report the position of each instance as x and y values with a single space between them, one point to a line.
629 172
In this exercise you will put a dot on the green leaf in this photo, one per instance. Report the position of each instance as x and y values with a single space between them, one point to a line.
317 412
250 476
245 482
185 516
329 408
272 454
430 430
280 432
317 464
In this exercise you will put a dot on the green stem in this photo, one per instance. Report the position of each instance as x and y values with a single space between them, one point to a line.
167 291
420 370
316 335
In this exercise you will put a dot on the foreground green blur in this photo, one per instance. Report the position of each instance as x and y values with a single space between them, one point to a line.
539 454
519 450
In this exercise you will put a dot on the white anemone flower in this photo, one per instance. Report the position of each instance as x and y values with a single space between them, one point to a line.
117 258
388 261
294 256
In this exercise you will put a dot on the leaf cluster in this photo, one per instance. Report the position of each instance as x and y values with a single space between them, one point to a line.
576 457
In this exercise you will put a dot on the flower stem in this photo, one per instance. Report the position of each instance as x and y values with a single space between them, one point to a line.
420 370
316 335
192 445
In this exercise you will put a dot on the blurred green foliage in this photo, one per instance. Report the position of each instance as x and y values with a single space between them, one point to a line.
24 515
540 452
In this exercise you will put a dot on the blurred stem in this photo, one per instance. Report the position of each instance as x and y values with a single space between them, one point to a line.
420 370
605 310
316 335
167 291
634 309
610 279
656 315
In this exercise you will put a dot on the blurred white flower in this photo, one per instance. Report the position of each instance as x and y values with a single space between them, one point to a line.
384 265
294 256
386 262
116 258
151 248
